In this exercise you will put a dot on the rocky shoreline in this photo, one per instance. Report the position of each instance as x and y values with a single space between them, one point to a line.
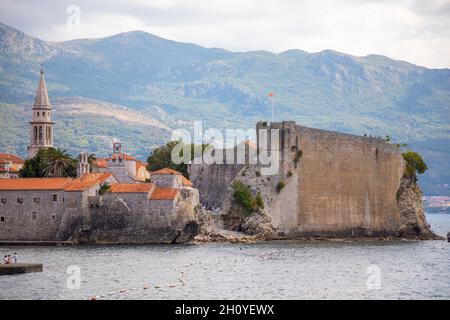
257 228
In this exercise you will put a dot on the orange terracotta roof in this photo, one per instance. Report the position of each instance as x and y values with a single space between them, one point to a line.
96 176
139 165
101 163
186 182
164 194
165 171
12 170
34 183
87 181
132 187
10 157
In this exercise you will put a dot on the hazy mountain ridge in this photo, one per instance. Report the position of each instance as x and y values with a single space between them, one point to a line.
171 81
85 124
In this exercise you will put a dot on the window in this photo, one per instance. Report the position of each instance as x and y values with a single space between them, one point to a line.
55 197
36 200
33 216
43 114
4 200
19 200
38 114
2 219
53 217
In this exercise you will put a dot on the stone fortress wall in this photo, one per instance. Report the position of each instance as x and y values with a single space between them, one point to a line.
335 185
22 217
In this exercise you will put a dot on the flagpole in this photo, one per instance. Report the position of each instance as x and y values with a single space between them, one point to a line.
271 98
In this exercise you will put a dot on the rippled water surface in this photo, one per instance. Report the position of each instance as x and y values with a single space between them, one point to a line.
275 270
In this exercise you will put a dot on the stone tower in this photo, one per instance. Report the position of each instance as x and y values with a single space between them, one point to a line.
41 131
83 164
119 166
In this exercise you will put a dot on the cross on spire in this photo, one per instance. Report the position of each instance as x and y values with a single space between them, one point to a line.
41 100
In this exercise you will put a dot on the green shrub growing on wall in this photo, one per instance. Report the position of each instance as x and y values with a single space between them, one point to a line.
280 186
298 155
104 188
259 201
243 196
414 164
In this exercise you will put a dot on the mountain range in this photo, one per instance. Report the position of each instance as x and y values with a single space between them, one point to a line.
137 87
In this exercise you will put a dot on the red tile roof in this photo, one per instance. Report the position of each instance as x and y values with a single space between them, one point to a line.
12 170
35 183
164 194
165 171
11 158
139 165
101 163
132 187
186 182
88 181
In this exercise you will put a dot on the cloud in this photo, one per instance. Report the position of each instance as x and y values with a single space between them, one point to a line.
412 30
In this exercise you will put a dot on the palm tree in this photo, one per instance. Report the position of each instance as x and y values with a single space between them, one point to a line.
91 160
57 163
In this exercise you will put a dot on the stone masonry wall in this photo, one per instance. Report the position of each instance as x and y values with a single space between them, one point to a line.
346 184
341 185
167 180
30 220
213 181
133 218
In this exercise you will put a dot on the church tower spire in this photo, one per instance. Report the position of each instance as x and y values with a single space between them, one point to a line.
41 133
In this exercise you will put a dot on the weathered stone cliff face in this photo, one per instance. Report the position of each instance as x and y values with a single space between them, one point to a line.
412 215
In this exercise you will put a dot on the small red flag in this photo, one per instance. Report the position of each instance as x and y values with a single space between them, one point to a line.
271 94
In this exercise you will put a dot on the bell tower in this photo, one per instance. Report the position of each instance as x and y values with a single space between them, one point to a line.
83 166
41 133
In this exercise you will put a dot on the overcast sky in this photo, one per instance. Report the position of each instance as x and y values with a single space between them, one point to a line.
412 30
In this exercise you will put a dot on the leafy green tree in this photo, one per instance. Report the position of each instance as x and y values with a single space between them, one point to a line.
49 162
57 163
30 169
104 188
91 160
414 164
414 161
162 157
